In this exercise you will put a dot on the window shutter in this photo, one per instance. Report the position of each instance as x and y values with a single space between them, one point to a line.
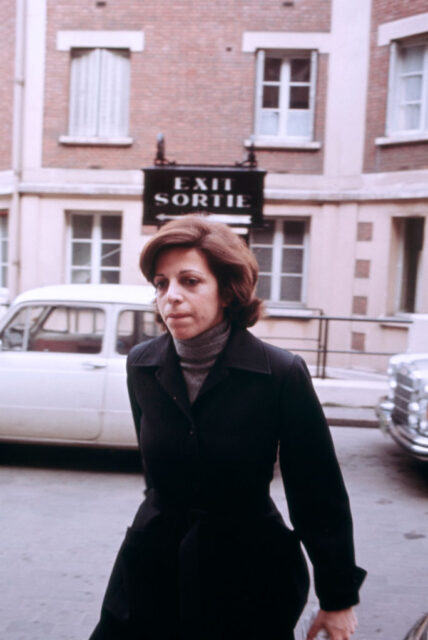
84 89
260 65
392 106
313 92
114 93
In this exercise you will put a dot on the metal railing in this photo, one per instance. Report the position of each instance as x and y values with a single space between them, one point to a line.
322 349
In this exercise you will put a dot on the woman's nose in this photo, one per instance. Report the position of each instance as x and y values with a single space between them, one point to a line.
174 291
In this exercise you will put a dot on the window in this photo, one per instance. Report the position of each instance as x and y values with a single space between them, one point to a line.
60 329
135 326
99 93
3 248
280 249
95 248
410 235
408 89
285 95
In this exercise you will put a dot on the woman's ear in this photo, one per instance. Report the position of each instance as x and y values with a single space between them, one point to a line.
226 299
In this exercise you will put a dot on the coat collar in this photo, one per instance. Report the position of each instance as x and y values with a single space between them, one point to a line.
242 351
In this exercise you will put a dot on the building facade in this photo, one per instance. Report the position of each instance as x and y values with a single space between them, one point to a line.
332 93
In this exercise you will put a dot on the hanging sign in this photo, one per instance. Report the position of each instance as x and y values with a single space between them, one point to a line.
174 190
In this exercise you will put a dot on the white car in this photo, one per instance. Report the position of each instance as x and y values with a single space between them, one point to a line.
62 363
404 413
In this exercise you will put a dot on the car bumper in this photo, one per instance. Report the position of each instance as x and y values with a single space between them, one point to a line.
413 443
384 414
409 440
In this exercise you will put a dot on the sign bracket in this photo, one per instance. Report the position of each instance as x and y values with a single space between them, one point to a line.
233 193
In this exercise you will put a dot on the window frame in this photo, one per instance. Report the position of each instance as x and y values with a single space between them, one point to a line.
96 242
393 130
4 248
283 138
277 272
403 265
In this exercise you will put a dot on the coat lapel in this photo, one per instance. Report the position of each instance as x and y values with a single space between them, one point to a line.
242 351
171 378
160 354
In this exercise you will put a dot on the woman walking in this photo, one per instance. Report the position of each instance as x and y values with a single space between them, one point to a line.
208 556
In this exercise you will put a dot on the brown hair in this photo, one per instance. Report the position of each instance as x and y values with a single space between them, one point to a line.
229 258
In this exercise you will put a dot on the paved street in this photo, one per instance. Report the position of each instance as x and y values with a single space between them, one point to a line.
64 516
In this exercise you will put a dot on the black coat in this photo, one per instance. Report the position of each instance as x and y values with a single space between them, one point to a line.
208 555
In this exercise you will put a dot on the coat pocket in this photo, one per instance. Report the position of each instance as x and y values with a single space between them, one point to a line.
137 573
258 573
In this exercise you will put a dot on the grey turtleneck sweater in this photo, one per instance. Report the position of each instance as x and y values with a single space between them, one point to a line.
197 355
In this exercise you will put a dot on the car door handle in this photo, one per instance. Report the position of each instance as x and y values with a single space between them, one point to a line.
94 365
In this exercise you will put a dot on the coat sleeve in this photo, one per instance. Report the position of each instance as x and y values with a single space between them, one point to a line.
316 495
135 407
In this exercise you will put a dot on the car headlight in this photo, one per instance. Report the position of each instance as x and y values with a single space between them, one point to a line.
423 427
392 387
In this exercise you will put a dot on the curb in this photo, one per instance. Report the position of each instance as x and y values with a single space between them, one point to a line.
349 422
351 403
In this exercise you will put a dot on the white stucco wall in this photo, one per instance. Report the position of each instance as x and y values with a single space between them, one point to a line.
347 87
35 47
44 244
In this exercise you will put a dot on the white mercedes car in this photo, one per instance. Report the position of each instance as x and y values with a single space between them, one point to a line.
62 363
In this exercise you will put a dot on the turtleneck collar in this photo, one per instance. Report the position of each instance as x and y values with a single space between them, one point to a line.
206 345
197 355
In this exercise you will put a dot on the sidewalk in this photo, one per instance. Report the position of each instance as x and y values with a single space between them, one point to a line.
351 398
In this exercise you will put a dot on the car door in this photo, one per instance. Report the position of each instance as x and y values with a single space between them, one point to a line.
132 324
52 372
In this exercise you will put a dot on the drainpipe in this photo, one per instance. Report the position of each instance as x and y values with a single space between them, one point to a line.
17 135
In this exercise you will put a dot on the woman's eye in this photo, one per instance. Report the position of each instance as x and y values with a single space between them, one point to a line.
160 285
192 282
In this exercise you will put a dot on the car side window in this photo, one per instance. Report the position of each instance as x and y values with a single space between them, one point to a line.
55 328
16 334
69 329
134 326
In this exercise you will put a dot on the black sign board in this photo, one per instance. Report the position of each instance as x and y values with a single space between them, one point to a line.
173 190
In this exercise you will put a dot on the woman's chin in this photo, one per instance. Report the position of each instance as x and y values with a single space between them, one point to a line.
182 333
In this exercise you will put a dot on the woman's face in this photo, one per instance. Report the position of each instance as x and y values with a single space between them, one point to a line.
187 293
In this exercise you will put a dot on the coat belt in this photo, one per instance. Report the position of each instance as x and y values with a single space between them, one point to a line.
203 524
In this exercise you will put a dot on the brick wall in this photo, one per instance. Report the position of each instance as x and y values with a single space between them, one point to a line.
7 62
192 81
398 157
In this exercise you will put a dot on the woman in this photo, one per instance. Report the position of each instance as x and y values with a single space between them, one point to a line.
208 556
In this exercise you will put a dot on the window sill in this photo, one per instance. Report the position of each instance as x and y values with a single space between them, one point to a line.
272 311
405 138
283 143
125 141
